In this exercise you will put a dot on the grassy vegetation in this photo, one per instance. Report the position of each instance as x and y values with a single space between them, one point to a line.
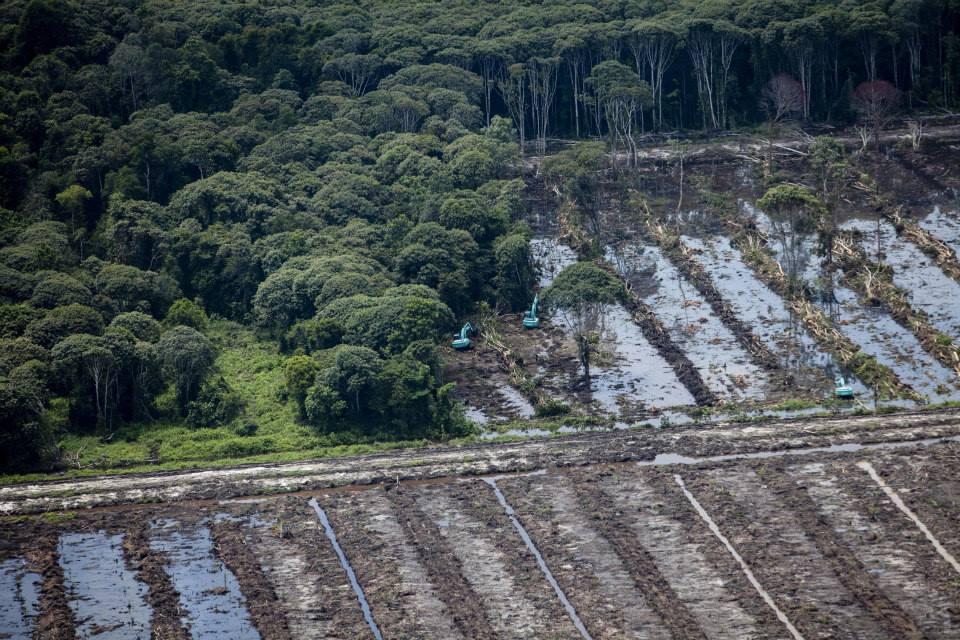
267 431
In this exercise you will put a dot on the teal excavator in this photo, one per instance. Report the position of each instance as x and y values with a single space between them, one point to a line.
530 319
842 389
462 340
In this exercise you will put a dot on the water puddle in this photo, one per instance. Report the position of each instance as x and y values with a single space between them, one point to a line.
636 375
710 346
944 225
210 595
475 415
515 400
872 329
106 597
878 334
663 459
760 308
539 558
19 599
928 288
345 563
551 257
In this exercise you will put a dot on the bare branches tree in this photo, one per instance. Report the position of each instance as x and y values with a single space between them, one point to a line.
877 102
654 46
782 97
513 90
542 81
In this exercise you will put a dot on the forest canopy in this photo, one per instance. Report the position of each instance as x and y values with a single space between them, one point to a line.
343 179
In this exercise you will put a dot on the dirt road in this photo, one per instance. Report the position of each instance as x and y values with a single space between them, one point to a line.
696 441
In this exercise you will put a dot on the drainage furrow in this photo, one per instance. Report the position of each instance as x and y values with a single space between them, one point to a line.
577 622
345 563
736 556
900 504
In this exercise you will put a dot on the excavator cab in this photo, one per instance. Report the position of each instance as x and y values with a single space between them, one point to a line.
530 319
462 341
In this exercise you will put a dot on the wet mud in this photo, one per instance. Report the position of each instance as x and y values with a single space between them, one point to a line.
265 611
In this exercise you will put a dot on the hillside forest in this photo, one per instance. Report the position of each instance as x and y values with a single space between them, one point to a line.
257 225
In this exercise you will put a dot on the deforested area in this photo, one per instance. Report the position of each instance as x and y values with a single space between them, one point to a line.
854 542
408 319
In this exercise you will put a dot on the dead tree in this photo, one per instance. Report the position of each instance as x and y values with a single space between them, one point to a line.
877 103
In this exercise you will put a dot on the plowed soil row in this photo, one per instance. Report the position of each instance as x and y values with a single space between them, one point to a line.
262 602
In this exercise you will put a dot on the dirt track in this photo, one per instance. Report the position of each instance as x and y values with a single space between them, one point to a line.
591 448
834 555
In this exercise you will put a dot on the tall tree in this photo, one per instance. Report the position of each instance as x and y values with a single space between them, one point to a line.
877 103
542 80
581 295
654 46
711 45
622 94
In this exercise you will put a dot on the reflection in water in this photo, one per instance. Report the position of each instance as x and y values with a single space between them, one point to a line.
711 347
636 374
103 593
19 599
928 288
210 595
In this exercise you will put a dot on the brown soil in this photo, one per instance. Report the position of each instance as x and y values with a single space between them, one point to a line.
782 556
576 543
321 599
265 610
656 334
503 573
403 599
161 595
443 568
55 621
929 487
850 572
705 559
438 462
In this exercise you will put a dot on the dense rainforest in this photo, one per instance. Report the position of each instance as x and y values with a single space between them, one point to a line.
340 183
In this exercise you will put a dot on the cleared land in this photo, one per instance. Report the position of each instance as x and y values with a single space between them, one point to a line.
829 552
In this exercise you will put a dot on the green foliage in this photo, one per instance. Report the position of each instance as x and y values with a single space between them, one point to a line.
216 405
313 335
187 357
61 322
140 325
288 167
58 289
355 389
581 294
786 197
516 272
187 313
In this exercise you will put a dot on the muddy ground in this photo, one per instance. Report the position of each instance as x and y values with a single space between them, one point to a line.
829 552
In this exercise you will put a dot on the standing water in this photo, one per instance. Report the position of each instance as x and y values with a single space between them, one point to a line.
19 599
210 595
723 364
345 563
104 594
928 288
637 373
763 310
944 225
